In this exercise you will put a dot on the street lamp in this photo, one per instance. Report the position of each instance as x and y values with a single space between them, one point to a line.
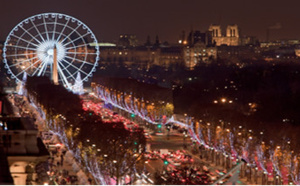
223 100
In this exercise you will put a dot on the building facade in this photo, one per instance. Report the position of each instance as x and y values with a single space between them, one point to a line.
230 38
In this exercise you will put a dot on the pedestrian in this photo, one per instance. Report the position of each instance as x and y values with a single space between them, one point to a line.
64 151
90 181
68 179
63 182
61 160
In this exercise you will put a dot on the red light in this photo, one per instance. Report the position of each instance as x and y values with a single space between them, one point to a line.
183 180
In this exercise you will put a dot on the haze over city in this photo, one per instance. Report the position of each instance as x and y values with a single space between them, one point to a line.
167 19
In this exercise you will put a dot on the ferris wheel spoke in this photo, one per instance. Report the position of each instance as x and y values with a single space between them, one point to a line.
30 35
54 29
15 55
27 68
79 60
75 67
65 69
23 61
24 40
38 67
76 46
77 39
16 46
38 31
62 31
63 75
42 69
70 33
45 26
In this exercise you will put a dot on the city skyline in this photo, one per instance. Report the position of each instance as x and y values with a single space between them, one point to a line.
166 19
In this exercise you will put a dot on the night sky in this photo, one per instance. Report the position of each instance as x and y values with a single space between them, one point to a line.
166 18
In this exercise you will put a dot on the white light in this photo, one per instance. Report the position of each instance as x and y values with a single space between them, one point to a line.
50 52
45 51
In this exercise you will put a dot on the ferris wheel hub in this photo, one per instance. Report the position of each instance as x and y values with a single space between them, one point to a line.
45 51
50 52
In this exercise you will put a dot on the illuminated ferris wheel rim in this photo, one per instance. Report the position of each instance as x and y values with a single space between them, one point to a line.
42 43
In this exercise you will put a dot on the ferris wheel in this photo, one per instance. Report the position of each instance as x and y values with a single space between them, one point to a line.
33 44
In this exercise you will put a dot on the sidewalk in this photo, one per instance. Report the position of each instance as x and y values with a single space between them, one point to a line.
64 170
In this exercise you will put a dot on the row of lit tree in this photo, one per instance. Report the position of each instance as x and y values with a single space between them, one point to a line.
233 142
107 150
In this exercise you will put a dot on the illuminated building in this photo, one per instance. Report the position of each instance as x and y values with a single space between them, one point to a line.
231 38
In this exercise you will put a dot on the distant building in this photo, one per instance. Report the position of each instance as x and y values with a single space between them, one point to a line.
199 53
127 40
142 56
236 53
231 38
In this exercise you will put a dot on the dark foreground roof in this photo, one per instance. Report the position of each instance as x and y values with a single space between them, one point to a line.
5 176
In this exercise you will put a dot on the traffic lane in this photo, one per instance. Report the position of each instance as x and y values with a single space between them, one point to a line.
171 142
153 166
